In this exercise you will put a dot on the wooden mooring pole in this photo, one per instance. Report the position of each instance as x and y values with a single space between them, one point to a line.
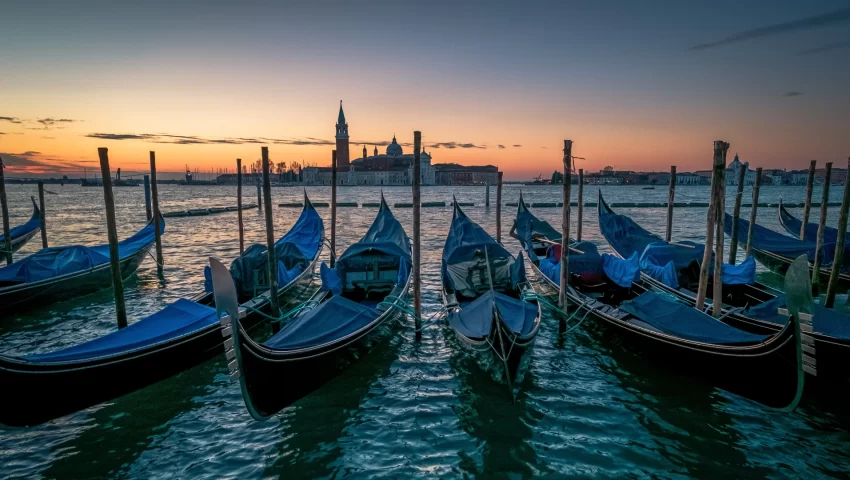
333 208
43 215
487 195
580 204
112 234
272 255
7 238
710 227
565 232
499 207
417 232
239 205
719 238
838 261
736 214
157 217
259 195
754 211
821 226
810 185
148 211
671 195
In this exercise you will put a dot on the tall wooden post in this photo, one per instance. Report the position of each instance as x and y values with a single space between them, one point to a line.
671 195
272 255
157 217
716 177
580 203
43 216
112 234
736 214
148 211
810 185
239 205
417 238
7 237
487 195
333 208
259 194
499 208
821 225
838 261
754 211
720 211
565 230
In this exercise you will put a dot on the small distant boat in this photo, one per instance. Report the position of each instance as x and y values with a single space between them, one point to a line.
22 234
483 290
648 188
606 288
58 273
186 333
355 308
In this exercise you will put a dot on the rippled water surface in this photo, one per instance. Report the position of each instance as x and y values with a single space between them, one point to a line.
589 405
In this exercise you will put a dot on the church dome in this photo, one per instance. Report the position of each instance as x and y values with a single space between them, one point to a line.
424 155
394 149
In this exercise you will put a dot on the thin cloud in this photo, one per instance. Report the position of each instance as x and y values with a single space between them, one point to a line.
452 145
825 48
10 119
196 140
52 122
792 94
516 146
808 23
34 163
501 147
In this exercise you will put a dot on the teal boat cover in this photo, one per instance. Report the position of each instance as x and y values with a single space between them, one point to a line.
685 322
528 225
621 271
55 261
475 318
176 320
334 319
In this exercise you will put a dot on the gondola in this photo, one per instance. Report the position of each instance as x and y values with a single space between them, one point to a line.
777 251
485 294
606 289
22 233
355 309
58 273
747 306
38 388
792 225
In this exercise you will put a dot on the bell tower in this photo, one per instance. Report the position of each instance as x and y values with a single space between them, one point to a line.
342 158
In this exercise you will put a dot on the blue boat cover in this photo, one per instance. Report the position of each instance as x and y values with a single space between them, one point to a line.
627 238
180 318
770 241
385 235
792 225
34 223
527 224
652 263
826 321
330 279
334 319
294 252
551 270
743 273
623 272
475 318
54 261
682 321
466 239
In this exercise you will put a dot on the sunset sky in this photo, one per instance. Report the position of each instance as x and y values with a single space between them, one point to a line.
636 85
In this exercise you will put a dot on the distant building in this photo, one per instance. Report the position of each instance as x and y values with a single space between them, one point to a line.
454 174
688 179
734 167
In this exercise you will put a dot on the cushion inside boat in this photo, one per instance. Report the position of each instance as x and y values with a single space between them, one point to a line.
332 320
475 319
179 318
55 261
826 321
679 320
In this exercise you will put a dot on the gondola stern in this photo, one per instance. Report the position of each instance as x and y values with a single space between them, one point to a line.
800 309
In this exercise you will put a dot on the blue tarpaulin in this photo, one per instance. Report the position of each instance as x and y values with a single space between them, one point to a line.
682 321
623 272
472 259
792 226
385 235
54 261
179 318
743 273
294 252
826 320
654 265
475 318
466 239
527 225
330 279
332 320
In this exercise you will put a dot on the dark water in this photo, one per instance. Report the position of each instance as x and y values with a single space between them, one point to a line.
589 405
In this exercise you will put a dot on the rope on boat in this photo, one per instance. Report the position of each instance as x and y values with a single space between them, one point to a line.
154 259
283 316
528 295
404 306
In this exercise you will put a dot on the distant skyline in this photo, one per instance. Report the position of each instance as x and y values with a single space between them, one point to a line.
636 85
